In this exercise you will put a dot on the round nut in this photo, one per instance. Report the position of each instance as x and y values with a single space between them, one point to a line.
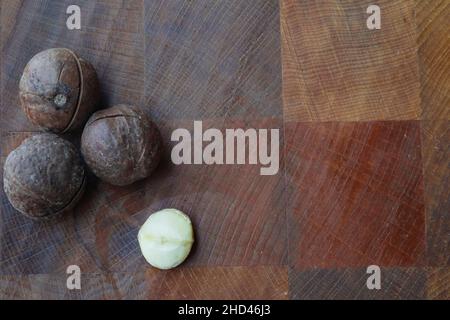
166 238
58 90
121 145
44 176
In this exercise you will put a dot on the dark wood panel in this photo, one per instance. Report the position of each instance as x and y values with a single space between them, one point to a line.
350 284
436 168
111 39
238 213
212 59
355 194
335 69
29 247
186 283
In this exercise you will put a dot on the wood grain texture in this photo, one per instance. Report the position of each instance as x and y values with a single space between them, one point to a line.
111 39
438 284
28 247
335 69
226 283
434 57
185 283
350 284
434 54
239 214
213 59
350 193
436 168
355 194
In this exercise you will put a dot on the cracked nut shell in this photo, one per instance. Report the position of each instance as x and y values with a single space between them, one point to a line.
121 145
58 90
44 176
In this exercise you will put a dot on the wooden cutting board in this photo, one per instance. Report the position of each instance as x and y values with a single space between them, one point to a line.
364 174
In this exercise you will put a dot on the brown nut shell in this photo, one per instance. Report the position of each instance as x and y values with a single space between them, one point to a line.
121 145
44 176
58 90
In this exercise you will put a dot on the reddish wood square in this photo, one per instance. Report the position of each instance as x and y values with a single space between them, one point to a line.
355 194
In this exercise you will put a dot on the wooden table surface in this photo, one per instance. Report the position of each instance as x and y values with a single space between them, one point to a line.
364 177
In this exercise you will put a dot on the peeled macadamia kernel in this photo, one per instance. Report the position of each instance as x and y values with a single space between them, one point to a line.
121 145
44 176
166 238
58 90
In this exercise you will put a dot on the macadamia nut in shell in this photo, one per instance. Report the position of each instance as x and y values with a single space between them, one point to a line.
121 145
58 90
44 176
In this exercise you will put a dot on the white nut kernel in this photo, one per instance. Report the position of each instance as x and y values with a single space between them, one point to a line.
166 238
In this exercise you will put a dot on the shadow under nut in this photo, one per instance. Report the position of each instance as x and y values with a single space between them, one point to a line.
44 177
58 90
121 145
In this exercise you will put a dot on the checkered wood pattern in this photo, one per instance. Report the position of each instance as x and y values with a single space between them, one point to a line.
364 168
